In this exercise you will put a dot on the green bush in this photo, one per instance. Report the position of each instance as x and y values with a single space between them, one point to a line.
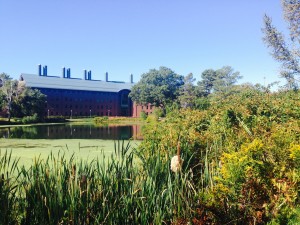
30 119
101 120
143 115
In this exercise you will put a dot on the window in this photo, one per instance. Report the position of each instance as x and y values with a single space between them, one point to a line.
124 99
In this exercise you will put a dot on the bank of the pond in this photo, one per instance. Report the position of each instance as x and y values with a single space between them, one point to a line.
85 149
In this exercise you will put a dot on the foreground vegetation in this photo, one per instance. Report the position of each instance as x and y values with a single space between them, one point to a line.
241 157
246 152
114 191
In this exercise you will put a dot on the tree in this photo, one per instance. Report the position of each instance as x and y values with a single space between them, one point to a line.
19 100
157 87
9 90
287 52
221 80
225 79
188 92
29 102
205 86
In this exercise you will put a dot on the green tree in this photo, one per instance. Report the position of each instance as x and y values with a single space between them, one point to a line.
19 100
157 87
9 91
188 92
221 80
225 79
285 51
29 102
205 86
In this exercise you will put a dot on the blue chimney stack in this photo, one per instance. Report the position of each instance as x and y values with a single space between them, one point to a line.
64 72
68 73
90 75
45 71
85 74
131 78
40 70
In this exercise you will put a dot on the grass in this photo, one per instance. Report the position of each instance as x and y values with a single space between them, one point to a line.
58 190
85 149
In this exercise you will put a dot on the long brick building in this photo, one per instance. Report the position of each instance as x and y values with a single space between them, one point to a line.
75 97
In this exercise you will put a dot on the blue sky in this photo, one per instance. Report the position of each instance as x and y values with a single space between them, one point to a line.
132 36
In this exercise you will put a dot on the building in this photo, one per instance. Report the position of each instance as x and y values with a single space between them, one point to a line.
75 97
137 109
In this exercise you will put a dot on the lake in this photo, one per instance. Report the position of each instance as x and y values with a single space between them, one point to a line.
72 131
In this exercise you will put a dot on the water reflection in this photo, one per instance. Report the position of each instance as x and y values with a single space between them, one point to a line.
69 131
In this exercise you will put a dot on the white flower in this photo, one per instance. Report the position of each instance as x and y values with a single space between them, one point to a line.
176 163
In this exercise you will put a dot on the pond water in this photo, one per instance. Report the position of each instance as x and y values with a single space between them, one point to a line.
72 131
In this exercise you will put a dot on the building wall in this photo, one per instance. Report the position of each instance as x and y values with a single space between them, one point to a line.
78 103
137 109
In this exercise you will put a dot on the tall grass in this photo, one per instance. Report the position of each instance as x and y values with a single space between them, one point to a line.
117 190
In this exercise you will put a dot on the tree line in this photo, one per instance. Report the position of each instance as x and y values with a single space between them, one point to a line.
164 88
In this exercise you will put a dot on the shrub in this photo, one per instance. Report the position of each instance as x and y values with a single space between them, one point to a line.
30 119
143 115
101 120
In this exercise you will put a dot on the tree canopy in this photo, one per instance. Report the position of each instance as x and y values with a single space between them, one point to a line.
188 92
19 100
286 51
157 87
220 80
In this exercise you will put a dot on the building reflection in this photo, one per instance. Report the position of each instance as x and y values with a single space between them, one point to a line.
73 132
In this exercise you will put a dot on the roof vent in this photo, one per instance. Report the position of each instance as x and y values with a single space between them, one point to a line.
64 72
90 75
40 70
45 71
131 78
68 73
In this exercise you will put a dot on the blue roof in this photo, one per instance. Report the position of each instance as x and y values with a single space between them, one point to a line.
54 82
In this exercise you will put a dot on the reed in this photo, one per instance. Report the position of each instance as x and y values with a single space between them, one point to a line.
61 190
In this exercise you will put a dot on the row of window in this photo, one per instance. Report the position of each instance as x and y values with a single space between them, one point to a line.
81 100
45 91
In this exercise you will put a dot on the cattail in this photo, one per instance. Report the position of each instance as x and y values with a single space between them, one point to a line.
176 161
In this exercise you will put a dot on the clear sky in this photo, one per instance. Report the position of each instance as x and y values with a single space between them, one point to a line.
132 36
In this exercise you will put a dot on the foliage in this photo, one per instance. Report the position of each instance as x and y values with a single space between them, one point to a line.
285 51
29 102
108 191
245 148
30 119
158 87
20 101
101 120
9 91
158 112
221 80
143 115
188 92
